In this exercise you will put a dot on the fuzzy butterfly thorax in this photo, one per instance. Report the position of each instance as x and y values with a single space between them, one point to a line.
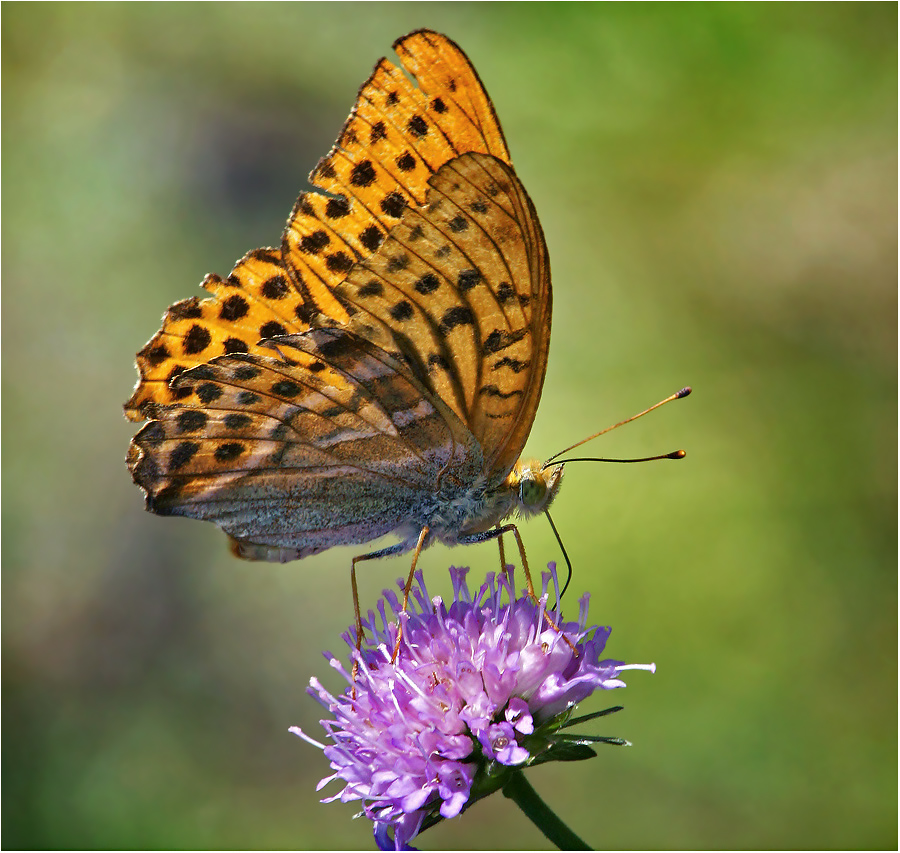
380 371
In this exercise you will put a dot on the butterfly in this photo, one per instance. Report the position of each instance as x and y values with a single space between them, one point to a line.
379 372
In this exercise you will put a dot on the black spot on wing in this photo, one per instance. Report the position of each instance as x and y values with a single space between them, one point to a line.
208 393
235 345
514 364
304 313
182 454
234 307
325 170
237 421
417 126
505 292
499 340
156 355
272 329
187 309
459 315
393 204
401 311
191 420
363 174
397 263
371 238
467 279
428 283
285 388
245 373
313 243
275 287
337 208
228 451
494 391
338 262
371 288
196 340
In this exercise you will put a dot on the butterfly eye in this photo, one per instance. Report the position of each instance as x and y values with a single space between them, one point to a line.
532 491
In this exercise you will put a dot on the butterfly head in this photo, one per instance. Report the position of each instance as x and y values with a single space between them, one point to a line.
535 486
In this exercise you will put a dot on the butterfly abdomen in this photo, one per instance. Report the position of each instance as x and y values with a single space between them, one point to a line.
455 514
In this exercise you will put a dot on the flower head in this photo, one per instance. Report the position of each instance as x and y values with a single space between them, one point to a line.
478 688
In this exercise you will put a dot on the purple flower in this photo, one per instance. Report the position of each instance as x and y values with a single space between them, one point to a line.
479 688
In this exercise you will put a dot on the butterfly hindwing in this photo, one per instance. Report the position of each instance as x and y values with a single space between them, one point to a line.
462 286
278 453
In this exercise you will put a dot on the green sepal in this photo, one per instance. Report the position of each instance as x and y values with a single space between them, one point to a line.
563 751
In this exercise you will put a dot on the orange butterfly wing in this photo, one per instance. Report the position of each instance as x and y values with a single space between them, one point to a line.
297 452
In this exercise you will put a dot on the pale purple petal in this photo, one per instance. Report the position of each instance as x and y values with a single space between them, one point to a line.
517 713
455 782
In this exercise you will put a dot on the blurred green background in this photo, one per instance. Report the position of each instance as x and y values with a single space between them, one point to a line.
717 184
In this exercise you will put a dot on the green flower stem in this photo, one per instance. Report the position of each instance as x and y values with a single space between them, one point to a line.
519 790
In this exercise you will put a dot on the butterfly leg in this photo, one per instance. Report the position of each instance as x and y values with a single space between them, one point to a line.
409 582
384 552
502 552
497 533
511 528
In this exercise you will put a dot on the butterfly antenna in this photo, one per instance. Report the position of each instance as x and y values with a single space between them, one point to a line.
678 454
675 454
565 557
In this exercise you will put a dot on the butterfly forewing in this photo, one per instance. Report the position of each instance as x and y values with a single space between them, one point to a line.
465 114
255 302
396 137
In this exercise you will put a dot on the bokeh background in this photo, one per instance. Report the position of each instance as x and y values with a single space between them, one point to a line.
717 183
